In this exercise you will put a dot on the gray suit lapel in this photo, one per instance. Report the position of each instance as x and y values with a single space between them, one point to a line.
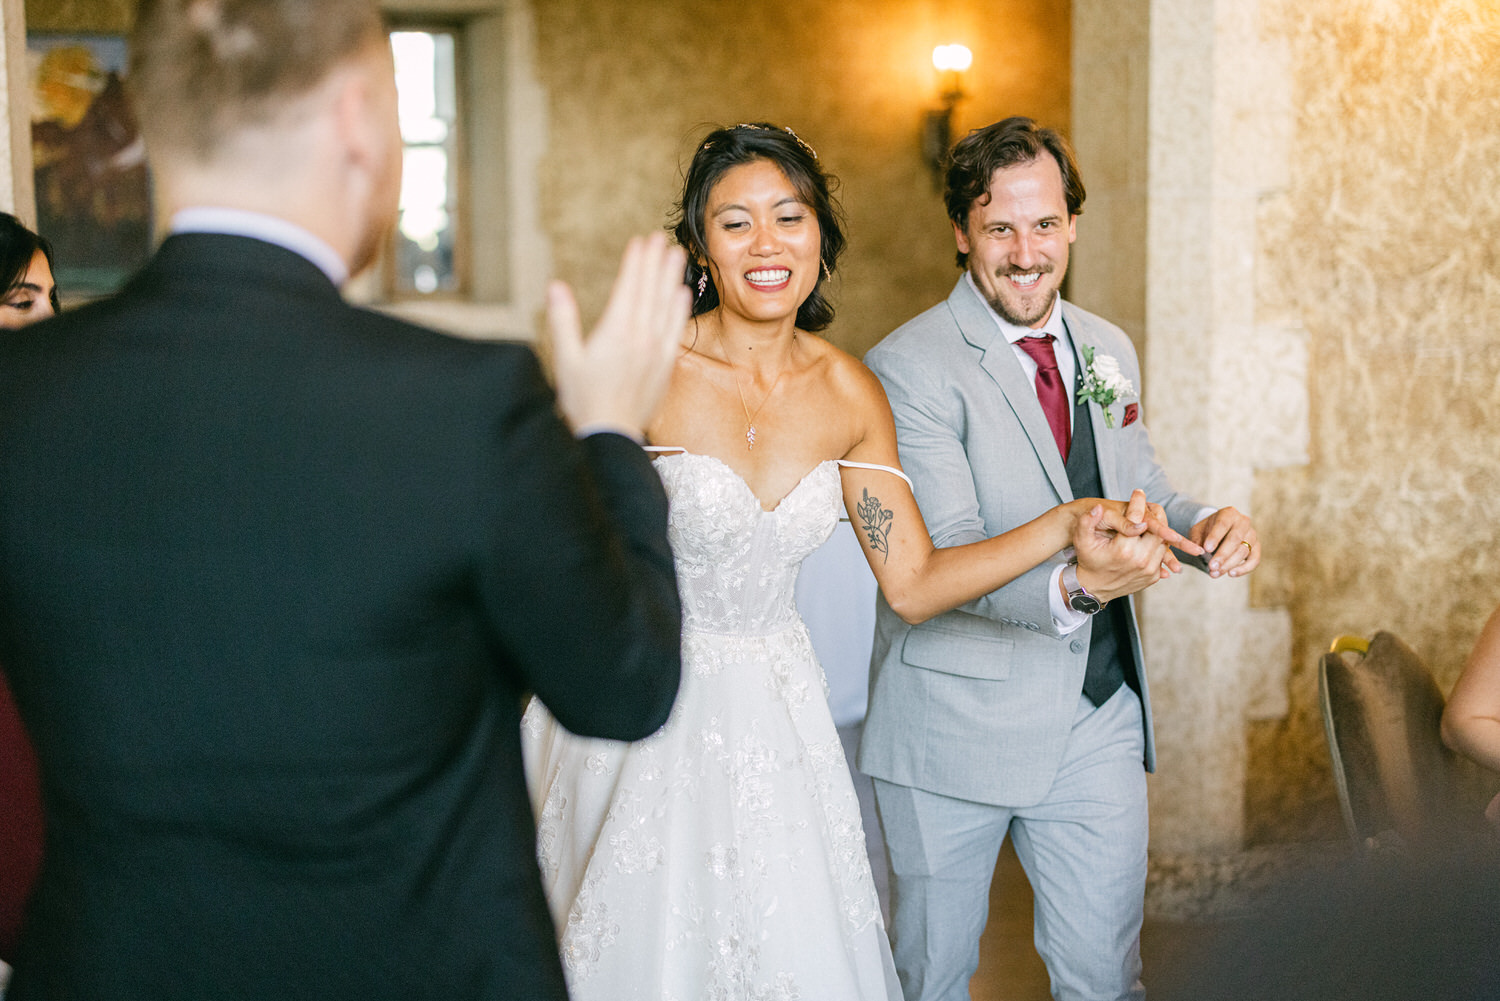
998 359
1105 439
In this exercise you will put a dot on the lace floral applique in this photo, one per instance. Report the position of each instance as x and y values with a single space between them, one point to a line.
590 931
554 811
636 852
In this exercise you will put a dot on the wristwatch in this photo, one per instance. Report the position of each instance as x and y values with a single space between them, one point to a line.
1079 598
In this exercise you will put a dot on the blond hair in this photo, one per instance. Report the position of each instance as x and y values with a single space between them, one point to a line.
201 69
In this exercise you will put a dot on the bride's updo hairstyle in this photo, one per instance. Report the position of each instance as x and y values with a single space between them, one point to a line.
724 149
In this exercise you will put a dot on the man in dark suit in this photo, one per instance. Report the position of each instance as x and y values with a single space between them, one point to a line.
276 572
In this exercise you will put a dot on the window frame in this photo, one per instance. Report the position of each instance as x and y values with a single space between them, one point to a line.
505 125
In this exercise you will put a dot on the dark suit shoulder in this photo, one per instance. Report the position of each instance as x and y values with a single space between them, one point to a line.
397 334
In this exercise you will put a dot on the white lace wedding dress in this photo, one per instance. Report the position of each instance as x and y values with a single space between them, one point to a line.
721 858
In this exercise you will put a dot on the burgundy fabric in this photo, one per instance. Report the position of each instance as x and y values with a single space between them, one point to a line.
1050 391
20 821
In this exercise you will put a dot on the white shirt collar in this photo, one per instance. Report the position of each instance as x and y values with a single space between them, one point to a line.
269 228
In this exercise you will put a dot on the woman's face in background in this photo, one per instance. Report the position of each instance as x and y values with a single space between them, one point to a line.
30 299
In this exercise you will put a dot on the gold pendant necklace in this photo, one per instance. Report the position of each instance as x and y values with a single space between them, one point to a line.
750 430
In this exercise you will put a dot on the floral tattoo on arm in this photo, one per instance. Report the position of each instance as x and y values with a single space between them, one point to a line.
876 522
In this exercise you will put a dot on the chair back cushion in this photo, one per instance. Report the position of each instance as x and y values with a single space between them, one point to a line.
1384 711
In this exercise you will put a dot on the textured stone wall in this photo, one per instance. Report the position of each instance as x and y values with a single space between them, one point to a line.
1385 247
1222 386
633 85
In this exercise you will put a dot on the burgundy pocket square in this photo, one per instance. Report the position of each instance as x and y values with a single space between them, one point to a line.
1132 414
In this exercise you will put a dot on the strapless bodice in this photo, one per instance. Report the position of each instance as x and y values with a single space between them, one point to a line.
737 562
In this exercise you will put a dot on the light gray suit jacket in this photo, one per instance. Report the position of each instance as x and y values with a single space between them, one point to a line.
978 703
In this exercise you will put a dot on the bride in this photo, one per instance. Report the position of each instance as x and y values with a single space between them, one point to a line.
722 857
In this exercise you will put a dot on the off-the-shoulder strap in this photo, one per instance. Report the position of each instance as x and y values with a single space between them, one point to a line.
872 465
664 448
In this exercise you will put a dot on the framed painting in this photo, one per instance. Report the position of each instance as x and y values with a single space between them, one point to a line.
93 192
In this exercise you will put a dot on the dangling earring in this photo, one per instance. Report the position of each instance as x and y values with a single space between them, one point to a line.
702 283
827 271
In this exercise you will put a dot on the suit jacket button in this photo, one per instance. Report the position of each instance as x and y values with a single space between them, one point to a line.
1076 646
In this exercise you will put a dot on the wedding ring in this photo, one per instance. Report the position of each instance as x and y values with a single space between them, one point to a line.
1248 548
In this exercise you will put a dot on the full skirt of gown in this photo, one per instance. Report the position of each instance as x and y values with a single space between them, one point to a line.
721 858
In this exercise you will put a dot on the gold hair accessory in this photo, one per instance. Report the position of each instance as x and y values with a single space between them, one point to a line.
762 128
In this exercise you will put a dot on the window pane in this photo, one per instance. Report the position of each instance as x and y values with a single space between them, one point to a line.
425 239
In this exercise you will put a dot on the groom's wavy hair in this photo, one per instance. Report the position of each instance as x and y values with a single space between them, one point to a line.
1009 143
202 69
726 148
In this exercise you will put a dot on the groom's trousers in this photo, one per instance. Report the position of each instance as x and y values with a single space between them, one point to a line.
1083 847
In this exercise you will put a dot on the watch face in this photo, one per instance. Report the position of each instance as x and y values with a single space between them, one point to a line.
1082 601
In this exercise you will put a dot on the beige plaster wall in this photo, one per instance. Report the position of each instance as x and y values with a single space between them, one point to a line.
1111 69
1385 247
632 86
80 15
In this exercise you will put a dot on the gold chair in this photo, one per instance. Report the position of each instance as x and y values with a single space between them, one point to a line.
1396 781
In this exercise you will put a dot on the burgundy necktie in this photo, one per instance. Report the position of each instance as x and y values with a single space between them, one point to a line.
1050 391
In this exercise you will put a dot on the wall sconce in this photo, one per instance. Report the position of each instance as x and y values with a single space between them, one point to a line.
937 125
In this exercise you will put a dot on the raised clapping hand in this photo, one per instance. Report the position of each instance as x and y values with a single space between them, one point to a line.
615 379
1124 548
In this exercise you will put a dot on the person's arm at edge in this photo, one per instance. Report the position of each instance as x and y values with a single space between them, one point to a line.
1471 719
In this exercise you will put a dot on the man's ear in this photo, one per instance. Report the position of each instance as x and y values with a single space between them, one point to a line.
962 238
353 116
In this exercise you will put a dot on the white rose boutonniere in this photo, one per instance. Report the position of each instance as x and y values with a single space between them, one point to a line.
1103 382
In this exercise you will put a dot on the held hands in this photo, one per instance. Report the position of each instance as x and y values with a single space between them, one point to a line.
1123 548
616 379
1231 542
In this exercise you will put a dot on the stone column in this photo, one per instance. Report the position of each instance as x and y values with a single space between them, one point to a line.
17 193
1181 119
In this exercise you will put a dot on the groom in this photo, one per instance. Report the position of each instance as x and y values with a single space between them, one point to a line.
1025 713
278 572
